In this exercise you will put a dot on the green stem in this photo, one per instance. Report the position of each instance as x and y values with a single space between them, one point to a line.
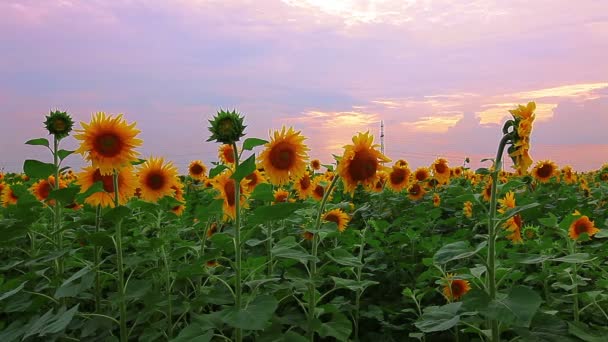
269 248
167 279
312 300
57 210
237 242
575 303
491 261
359 292
96 261
122 305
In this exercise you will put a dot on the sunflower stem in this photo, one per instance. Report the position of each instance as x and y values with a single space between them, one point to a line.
167 265
575 304
359 292
269 247
491 261
122 305
96 263
312 300
57 211
237 242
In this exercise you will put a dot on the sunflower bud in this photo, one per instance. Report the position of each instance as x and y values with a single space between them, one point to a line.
227 127
59 124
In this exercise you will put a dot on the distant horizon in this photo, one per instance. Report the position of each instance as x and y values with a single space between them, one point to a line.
441 75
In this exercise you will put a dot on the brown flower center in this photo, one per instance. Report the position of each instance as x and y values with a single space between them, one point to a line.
155 180
230 190
108 145
196 169
441 168
44 190
305 182
363 166
545 171
107 180
421 175
332 218
415 189
282 156
319 191
398 176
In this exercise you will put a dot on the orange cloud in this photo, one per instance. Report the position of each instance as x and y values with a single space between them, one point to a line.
434 124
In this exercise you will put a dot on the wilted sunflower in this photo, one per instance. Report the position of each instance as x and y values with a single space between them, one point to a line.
421 174
360 163
441 170
227 189
126 186
156 179
468 209
8 196
42 188
304 187
514 223
436 200
339 217
254 179
544 170
416 191
197 170
454 288
399 177
226 154
284 157
315 164
108 142
280 195
580 226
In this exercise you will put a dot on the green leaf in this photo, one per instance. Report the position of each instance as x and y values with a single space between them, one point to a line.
13 291
455 251
38 169
342 257
61 322
117 213
217 170
339 327
583 332
244 169
194 333
576 258
62 154
439 318
76 276
550 221
517 210
39 141
288 248
250 143
65 195
602 234
263 192
517 309
352 284
274 212
254 317
96 187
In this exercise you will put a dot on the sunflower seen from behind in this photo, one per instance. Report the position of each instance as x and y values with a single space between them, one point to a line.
360 163
285 156
157 179
108 142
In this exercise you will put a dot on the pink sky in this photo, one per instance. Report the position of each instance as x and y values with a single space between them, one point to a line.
440 74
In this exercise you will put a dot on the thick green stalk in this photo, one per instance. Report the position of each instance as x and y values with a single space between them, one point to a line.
491 261
96 262
166 261
237 242
359 292
57 209
575 304
269 247
312 296
122 305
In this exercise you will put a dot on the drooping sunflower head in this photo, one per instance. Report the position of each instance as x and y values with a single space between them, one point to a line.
226 127
59 124
339 217
284 157
197 170
544 170
360 163
416 191
108 142
157 179
455 288
514 225
226 154
487 191
399 177
580 226
524 112
127 183
468 209
441 170
304 186
508 202
315 164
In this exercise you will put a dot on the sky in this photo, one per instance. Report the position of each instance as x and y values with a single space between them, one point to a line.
440 74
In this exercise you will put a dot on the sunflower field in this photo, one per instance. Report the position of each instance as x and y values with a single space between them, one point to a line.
269 244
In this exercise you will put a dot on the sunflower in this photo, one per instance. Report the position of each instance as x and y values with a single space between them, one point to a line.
514 223
213 228
308 235
227 189
284 157
421 174
399 177
544 170
42 188
156 179
568 176
226 154
401 163
280 196
580 226
468 209
458 171
487 190
360 163
381 179
315 164
416 191
436 200
108 142
8 196
197 170
178 209
441 170
255 178
508 202
339 217
126 186
318 190
329 176
303 186
454 289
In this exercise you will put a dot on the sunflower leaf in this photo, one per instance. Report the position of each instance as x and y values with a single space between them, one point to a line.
38 169
217 170
38 142
455 251
65 195
250 143
244 169
95 188
62 154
